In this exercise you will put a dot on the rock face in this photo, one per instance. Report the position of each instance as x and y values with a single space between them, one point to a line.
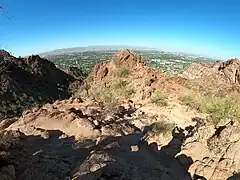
44 144
223 72
126 65
74 118
27 81
124 59
214 151
231 69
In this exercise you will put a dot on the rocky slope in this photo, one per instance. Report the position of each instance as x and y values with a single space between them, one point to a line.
29 81
134 136
223 75
229 69
102 144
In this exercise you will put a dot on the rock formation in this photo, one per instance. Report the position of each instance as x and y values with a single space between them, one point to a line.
29 81
124 59
223 72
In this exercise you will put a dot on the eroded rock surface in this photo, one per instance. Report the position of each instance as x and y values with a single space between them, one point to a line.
222 73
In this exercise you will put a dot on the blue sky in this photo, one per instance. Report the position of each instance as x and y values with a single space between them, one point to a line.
205 27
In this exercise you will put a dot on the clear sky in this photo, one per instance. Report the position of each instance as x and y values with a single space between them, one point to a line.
205 27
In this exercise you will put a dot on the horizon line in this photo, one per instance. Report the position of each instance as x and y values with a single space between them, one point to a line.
122 47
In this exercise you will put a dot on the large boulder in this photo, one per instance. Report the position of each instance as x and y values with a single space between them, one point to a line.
214 151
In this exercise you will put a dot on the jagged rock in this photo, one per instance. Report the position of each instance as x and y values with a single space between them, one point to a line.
231 69
222 73
123 59
28 81
4 53
215 151
10 139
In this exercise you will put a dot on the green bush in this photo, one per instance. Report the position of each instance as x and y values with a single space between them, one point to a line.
162 126
159 99
191 101
218 108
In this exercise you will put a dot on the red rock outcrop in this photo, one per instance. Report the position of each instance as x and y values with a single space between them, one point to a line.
124 59
224 72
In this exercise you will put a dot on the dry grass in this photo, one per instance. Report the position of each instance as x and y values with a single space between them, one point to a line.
161 127
218 107
159 98
116 90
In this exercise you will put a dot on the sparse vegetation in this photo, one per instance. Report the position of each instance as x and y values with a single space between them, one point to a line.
191 101
123 72
218 107
103 94
161 127
159 98
110 92
120 84
128 92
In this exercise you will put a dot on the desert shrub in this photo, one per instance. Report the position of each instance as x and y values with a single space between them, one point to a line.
159 98
191 101
166 78
122 89
162 126
218 107
127 92
120 84
112 93
123 72
103 94
222 108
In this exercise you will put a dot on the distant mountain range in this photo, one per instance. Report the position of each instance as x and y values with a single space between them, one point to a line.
95 48
75 50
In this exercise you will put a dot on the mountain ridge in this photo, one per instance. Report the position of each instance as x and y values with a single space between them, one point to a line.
80 49
94 48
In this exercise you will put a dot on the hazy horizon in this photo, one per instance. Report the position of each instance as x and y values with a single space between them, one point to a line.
208 28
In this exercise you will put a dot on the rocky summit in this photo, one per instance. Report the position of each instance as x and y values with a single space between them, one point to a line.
126 121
